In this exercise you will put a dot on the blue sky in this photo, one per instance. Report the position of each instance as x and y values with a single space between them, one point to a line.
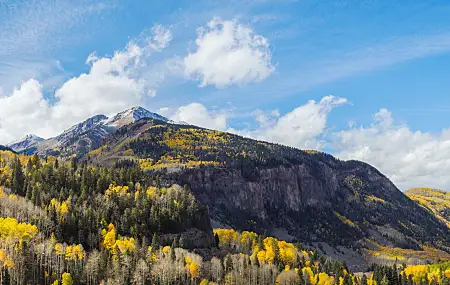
387 64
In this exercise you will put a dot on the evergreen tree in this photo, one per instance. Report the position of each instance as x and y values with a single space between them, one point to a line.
155 242
18 178
217 240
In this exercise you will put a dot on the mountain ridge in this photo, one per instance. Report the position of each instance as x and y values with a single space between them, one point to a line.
24 142
84 136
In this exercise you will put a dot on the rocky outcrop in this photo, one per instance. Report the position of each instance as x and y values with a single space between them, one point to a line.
327 201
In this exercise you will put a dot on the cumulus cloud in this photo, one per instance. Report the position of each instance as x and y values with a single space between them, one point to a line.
197 114
410 158
228 53
111 85
24 111
303 127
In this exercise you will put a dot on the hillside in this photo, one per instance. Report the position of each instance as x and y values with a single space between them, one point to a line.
66 222
2 147
296 195
435 200
117 225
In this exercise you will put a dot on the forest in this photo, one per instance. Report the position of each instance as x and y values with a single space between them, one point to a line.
72 222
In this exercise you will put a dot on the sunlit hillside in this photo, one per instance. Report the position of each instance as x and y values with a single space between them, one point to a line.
434 200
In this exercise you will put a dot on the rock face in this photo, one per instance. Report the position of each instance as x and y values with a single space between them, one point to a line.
334 201
331 204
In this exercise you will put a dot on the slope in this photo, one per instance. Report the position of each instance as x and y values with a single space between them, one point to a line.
294 194
435 200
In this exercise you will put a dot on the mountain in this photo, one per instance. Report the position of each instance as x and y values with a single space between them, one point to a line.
132 115
87 135
25 142
293 194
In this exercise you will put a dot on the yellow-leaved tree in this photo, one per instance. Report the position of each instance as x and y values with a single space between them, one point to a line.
66 279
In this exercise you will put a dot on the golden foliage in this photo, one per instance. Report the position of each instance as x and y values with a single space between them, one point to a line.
123 245
121 191
401 254
13 231
74 252
109 237
345 220
272 248
66 279
434 200
61 209
5 260
375 199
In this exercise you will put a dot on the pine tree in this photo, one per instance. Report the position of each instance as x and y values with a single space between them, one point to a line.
155 243
216 237
18 179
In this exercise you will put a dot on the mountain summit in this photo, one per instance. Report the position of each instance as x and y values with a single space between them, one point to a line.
24 143
84 136
132 115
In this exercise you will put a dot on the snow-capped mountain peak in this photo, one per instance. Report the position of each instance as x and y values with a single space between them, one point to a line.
132 115
86 135
86 125
24 142
30 137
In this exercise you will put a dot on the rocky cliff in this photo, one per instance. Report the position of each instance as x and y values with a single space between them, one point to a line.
336 202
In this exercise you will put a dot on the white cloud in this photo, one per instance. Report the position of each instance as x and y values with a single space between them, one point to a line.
197 114
161 37
228 53
111 85
304 127
410 158
24 111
